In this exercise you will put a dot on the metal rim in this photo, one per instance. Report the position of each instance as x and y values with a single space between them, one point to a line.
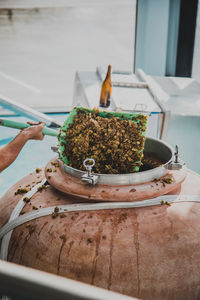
129 178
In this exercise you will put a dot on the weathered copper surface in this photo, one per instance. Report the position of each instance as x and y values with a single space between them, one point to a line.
74 186
149 253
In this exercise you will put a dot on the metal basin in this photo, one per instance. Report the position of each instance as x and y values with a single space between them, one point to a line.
158 148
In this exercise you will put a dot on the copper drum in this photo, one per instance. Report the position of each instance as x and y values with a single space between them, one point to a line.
147 252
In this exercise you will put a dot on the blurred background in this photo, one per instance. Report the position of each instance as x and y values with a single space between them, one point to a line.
43 43
50 49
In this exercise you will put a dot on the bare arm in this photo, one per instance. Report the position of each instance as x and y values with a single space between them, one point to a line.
10 152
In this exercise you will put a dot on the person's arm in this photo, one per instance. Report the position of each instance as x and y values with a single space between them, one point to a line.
10 152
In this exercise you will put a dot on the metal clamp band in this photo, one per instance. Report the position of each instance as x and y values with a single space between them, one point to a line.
14 216
95 206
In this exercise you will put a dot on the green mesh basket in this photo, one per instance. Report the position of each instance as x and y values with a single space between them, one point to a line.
104 114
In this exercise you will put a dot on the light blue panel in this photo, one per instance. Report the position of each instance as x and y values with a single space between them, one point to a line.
184 131
152 36
172 37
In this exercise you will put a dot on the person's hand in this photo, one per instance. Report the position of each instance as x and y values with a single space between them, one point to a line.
34 132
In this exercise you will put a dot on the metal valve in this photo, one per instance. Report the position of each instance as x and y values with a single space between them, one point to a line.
89 177
176 165
176 160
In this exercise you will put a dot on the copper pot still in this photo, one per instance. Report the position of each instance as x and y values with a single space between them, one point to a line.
145 252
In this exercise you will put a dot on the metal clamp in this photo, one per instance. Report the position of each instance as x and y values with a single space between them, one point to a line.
176 165
89 178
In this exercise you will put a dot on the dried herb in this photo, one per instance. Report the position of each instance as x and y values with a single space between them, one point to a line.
41 188
22 191
63 237
123 217
167 180
168 203
55 213
62 216
55 164
116 145
26 199
164 181
56 209
150 161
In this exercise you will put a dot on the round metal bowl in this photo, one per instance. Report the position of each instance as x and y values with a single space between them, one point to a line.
153 146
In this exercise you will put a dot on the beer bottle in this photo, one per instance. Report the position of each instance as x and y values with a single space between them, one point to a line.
106 89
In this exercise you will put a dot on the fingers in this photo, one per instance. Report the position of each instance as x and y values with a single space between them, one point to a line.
34 132
39 124
40 134
33 123
36 123
42 124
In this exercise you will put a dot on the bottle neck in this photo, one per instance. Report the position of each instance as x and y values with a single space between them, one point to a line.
108 75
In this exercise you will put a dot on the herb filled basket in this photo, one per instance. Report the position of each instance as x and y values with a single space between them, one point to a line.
115 140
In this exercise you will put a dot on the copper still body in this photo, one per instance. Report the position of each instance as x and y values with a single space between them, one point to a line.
139 239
